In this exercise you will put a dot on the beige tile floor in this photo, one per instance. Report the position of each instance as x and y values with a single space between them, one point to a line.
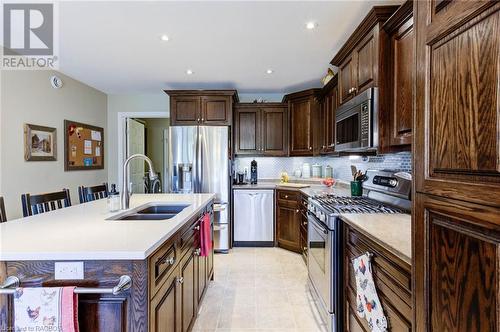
258 290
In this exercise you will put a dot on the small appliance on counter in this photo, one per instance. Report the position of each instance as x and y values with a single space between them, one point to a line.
253 172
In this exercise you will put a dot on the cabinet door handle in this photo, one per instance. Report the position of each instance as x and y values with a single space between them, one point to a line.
304 223
198 120
197 228
310 148
297 211
286 196
197 252
169 261
180 280
202 119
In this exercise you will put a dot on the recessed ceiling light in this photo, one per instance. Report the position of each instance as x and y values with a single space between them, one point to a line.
269 71
189 72
311 25
164 38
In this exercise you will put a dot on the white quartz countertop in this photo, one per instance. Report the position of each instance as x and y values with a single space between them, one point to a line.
81 232
391 231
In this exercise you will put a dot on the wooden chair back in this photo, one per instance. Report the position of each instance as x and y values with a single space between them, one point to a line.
36 204
89 194
3 216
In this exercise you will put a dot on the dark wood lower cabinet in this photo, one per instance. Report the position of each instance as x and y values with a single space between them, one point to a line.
165 294
165 307
288 219
392 277
189 295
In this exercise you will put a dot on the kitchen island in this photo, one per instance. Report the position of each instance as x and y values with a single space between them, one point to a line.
162 257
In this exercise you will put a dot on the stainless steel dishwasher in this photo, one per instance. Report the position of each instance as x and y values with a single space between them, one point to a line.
253 218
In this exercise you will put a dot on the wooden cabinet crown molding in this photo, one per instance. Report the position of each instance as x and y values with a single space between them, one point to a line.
376 15
401 15
232 93
315 92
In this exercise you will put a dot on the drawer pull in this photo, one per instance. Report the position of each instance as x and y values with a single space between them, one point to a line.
197 228
297 211
169 261
180 280
286 196
197 252
304 223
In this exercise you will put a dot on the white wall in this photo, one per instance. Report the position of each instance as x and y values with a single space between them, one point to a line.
28 97
137 103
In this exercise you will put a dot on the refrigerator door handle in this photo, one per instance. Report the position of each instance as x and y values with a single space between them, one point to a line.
220 207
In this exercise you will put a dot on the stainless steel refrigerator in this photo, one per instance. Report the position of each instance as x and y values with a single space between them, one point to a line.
199 163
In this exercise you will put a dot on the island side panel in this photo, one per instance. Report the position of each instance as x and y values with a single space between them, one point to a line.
125 312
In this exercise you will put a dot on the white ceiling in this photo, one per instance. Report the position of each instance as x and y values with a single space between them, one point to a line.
116 47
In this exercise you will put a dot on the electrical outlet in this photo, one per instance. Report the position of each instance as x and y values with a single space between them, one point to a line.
68 270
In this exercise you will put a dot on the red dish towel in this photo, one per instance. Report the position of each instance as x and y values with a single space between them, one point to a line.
46 309
205 236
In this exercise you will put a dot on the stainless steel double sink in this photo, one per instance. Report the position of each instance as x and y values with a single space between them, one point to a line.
151 211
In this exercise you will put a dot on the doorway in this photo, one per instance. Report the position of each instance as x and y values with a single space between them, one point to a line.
148 136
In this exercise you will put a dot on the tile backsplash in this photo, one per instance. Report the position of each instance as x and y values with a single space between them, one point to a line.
270 168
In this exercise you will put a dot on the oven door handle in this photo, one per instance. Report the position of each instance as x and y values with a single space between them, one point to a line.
318 228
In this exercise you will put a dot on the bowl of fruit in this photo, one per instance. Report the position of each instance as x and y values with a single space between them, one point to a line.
329 182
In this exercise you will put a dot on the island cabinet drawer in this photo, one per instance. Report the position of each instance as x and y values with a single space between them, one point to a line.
189 237
162 263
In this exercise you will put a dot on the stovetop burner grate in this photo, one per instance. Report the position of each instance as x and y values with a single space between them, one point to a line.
347 204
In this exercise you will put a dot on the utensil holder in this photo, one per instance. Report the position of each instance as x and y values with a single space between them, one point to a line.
356 188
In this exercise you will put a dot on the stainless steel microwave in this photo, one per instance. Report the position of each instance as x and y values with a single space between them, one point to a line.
356 123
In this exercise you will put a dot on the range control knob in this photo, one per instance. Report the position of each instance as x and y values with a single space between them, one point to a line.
322 217
393 183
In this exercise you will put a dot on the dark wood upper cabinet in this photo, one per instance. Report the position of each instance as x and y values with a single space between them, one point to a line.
366 65
261 129
304 114
456 224
347 79
402 75
328 106
274 131
216 110
361 61
185 110
201 107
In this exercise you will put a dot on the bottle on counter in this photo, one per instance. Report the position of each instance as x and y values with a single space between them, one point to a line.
113 199
284 177
253 172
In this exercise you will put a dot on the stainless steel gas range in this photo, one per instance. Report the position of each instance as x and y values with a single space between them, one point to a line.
385 192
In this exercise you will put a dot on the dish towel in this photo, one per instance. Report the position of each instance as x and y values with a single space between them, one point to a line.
46 309
368 303
205 236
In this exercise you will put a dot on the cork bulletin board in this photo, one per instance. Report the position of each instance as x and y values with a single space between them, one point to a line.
83 146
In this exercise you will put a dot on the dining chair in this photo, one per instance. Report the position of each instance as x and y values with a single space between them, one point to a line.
3 216
36 204
88 194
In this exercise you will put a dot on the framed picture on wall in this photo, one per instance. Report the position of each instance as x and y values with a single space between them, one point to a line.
83 146
40 143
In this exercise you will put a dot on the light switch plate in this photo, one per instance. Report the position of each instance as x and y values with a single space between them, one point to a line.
68 270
